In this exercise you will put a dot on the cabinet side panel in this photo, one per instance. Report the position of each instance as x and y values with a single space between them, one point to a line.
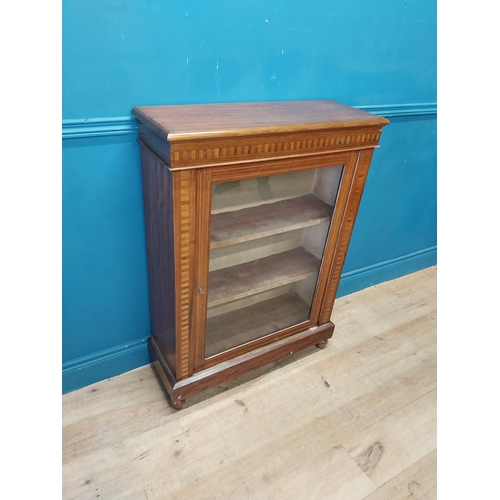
356 190
157 144
158 204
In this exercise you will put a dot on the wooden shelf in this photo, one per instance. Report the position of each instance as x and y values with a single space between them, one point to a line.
259 275
249 323
251 223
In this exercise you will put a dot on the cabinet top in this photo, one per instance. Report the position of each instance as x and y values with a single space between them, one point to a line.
202 121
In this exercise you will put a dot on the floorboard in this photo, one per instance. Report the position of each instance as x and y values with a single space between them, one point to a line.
353 421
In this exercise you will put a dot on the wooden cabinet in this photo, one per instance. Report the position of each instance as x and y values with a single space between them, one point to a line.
249 209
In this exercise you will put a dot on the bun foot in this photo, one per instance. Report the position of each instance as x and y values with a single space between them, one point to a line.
322 344
177 404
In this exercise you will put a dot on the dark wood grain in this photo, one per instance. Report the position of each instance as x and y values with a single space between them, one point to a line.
213 121
251 223
154 142
158 213
229 134
230 369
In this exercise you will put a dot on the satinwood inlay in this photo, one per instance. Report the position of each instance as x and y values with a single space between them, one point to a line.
185 205
186 154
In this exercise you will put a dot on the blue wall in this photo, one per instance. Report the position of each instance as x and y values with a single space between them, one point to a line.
379 56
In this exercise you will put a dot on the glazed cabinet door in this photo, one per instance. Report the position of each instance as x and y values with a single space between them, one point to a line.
267 239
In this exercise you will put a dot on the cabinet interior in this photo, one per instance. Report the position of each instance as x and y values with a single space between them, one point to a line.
267 238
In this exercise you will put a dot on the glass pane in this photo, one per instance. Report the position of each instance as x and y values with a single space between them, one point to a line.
267 238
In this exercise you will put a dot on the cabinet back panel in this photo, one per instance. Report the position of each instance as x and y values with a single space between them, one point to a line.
248 301
236 195
247 251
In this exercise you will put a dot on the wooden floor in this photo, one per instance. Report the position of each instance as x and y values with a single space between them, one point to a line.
354 421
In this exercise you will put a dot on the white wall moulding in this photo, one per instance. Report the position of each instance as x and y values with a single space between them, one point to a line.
122 125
